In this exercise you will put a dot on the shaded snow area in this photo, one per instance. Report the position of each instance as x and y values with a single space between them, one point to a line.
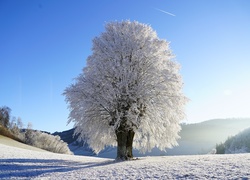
16 163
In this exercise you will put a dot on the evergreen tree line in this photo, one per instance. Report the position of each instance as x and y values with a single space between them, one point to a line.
239 143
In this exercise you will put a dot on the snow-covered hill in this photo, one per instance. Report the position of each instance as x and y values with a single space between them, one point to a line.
11 142
17 163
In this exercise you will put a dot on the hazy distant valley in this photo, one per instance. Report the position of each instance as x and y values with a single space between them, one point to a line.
199 138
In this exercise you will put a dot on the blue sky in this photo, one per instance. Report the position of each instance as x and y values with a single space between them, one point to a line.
44 45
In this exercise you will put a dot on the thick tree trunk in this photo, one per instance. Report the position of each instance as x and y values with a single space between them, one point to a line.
129 144
124 143
121 135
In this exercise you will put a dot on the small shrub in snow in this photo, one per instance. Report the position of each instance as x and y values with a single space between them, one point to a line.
213 151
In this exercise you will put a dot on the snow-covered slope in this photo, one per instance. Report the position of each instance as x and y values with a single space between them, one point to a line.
11 142
17 163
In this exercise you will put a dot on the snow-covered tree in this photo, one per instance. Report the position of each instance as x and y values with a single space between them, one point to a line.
15 127
29 135
130 92
5 116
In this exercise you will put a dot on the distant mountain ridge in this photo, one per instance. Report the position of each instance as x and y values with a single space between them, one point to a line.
198 138
67 136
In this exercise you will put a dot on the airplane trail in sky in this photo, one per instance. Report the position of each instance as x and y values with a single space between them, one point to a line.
165 12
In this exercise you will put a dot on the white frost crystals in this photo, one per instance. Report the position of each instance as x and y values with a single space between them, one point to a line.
130 83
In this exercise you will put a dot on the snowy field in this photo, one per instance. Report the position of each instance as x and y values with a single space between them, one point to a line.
17 163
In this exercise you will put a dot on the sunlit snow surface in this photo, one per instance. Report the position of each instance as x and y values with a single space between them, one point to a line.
16 163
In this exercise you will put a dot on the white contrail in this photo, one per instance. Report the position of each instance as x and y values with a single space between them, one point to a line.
165 12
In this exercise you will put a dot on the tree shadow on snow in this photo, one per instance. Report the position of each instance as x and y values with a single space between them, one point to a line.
13 168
